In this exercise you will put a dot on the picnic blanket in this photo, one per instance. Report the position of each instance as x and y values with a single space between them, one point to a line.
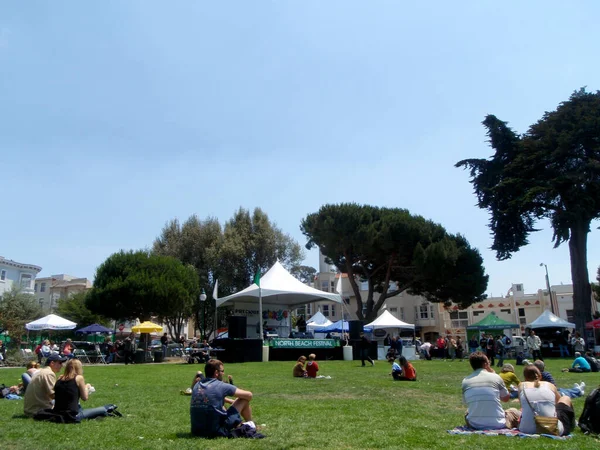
510 432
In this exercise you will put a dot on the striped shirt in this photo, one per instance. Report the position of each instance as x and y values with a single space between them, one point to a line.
482 391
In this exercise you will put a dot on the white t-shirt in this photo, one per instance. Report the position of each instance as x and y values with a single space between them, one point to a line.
481 392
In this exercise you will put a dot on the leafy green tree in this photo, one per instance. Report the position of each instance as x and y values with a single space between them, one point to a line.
395 251
306 274
551 172
130 285
17 309
233 255
596 287
74 308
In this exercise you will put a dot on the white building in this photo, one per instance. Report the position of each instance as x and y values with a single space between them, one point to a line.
49 290
13 273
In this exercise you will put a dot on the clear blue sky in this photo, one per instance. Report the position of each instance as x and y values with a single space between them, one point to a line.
117 116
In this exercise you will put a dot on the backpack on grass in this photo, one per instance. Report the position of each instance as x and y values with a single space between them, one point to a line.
589 421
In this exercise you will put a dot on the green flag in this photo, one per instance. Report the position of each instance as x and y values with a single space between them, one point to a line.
257 279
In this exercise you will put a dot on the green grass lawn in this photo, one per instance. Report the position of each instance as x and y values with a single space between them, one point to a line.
357 408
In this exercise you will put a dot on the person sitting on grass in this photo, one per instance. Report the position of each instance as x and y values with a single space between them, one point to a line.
209 418
311 366
408 371
579 365
483 391
40 391
576 391
32 368
396 369
547 402
299 371
511 381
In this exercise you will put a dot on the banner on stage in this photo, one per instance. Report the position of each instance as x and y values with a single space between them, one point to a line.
304 343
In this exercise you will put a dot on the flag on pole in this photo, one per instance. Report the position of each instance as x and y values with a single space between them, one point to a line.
257 279
216 290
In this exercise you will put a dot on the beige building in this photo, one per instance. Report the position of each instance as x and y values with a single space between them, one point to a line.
49 290
433 319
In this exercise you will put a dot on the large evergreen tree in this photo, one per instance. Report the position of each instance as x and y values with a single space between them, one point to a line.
140 285
551 172
395 251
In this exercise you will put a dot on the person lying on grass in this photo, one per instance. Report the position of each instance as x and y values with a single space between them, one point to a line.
208 415
299 371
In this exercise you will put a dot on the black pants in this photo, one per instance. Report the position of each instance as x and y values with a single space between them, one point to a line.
536 354
364 354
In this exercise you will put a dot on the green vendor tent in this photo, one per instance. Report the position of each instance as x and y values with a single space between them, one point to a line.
489 323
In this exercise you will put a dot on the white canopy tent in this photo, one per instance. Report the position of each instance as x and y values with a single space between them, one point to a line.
549 320
317 321
278 287
51 322
387 320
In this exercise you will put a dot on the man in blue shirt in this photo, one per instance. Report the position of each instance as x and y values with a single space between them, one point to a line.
579 365
207 409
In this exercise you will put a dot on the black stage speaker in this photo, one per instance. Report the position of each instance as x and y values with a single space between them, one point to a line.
237 327
355 327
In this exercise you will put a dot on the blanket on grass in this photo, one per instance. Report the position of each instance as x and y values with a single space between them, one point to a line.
514 432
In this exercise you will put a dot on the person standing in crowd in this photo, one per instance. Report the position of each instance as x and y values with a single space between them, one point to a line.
578 343
40 391
440 343
473 344
301 324
460 349
365 346
490 348
563 343
164 341
128 349
534 344
483 391
500 350
208 415
398 346
451 348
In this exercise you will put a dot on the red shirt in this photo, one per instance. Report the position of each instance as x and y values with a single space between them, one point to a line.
312 368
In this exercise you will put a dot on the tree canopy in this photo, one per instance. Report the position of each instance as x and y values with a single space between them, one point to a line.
74 308
395 251
551 172
130 285
233 254
17 309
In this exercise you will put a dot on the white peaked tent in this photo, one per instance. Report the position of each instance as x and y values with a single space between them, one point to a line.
549 320
317 321
387 320
278 287
51 322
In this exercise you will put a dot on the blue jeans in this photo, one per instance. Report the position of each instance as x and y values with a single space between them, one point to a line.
564 350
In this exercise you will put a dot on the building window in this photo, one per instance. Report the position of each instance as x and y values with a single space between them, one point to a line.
506 311
519 287
332 310
477 313
35 287
460 319
325 286
402 318
521 312
326 310
43 287
347 300
25 281
2 275
424 311
41 302
309 309
332 286
522 321
393 312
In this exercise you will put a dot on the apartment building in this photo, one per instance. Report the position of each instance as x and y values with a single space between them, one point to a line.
13 273
49 290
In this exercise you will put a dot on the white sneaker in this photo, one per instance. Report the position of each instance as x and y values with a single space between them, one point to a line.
251 424
577 386
582 385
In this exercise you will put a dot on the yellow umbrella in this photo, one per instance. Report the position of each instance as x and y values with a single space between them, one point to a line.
147 327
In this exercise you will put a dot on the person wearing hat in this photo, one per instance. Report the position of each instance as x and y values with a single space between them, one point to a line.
40 392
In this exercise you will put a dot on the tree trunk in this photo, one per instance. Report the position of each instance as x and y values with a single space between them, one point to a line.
582 291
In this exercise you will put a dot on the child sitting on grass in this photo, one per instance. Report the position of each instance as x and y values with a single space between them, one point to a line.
311 366
299 371
396 369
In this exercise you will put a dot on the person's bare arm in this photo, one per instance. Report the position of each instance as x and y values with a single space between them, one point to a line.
240 393
83 389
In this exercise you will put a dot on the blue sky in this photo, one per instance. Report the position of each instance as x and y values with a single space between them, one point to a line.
116 117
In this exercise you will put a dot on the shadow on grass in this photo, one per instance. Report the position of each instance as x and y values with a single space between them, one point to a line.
20 416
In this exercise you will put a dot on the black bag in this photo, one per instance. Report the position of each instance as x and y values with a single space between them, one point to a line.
245 431
589 421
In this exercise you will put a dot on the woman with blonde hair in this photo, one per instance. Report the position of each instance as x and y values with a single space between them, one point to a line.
540 398
299 370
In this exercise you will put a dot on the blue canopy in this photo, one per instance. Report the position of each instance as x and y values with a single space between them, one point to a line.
94 328
339 327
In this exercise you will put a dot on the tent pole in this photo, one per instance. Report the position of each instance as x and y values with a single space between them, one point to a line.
260 312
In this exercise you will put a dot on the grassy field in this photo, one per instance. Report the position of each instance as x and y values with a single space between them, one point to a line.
358 408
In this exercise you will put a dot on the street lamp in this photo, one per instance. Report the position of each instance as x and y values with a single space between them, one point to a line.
203 301
548 286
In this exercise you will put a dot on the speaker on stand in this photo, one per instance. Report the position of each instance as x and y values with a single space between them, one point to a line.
237 327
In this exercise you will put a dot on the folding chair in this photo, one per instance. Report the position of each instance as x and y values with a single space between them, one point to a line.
81 355
28 355
96 357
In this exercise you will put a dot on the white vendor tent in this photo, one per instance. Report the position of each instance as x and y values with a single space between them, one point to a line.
51 322
387 320
317 321
549 320
278 287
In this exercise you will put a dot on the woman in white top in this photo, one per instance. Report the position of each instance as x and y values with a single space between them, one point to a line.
546 401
